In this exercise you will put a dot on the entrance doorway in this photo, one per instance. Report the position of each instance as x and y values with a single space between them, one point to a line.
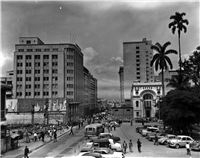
148 113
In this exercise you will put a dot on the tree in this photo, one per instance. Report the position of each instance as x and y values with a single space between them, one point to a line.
161 59
179 81
180 109
191 66
179 24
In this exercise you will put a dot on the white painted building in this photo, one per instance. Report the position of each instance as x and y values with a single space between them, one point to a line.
144 96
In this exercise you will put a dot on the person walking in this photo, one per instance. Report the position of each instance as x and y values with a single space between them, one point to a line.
71 131
124 145
26 151
55 136
130 146
35 136
139 144
187 146
156 140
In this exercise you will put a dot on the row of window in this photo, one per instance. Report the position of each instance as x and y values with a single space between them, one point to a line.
70 57
38 50
44 93
20 57
37 64
37 78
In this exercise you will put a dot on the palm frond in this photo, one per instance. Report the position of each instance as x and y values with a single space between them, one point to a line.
184 28
169 62
185 21
157 49
157 64
173 29
159 46
171 51
155 57
165 45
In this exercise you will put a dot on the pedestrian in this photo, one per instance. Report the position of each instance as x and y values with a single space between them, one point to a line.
131 122
27 137
139 144
55 136
42 135
124 145
71 131
26 151
35 136
156 140
130 146
188 148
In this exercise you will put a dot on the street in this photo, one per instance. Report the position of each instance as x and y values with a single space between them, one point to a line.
70 145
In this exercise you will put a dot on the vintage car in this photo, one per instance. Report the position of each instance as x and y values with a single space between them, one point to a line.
105 143
106 135
180 141
195 146
164 140
149 130
108 153
159 135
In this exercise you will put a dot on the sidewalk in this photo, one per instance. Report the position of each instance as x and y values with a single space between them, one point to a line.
18 153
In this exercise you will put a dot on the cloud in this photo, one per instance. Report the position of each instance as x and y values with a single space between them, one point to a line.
89 55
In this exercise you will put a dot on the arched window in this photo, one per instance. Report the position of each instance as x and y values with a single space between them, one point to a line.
147 100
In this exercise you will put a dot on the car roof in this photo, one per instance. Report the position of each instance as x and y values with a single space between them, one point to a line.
100 140
182 136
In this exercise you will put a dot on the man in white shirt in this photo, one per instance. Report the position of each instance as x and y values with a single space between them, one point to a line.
187 146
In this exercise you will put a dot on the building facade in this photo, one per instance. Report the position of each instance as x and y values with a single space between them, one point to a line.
137 57
144 96
90 93
8 80
121 80
48 71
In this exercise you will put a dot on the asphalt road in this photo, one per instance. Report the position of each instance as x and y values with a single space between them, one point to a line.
70 145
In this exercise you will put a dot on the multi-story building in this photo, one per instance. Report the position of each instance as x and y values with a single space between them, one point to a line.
48 71
90 93
8 80
121 80
137 57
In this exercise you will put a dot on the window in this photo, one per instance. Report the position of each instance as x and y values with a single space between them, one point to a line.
70 64
138 77
54 56
137 56
54 64
137 60
29 50
28 42
37 56
138 73
55 49
46 50
137 47
70 57
19 57
70 86
28 56
46 64
137 52
54 71
137 104
70 93
116 110
138 69
137 114
38 50
21 50
46 57
70 71
46 78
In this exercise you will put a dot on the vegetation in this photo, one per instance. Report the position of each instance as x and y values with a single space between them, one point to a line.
179 24
180 110
162 60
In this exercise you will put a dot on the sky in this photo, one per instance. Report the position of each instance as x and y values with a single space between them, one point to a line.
99 28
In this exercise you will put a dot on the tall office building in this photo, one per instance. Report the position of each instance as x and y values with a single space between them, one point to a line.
121 80
137 57
47 71
90 93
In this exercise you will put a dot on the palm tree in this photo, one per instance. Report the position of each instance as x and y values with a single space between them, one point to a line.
179 82
179 24
162 60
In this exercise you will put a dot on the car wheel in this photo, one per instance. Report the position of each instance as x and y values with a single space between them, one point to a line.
165 143
177 146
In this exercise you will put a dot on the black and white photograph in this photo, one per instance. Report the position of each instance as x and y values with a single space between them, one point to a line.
100 79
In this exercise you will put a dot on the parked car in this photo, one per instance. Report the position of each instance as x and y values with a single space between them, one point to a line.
148 130
164 140
144 127
95 155
106 135
159 135
180 141
106 143
108 153
138 120
195 146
